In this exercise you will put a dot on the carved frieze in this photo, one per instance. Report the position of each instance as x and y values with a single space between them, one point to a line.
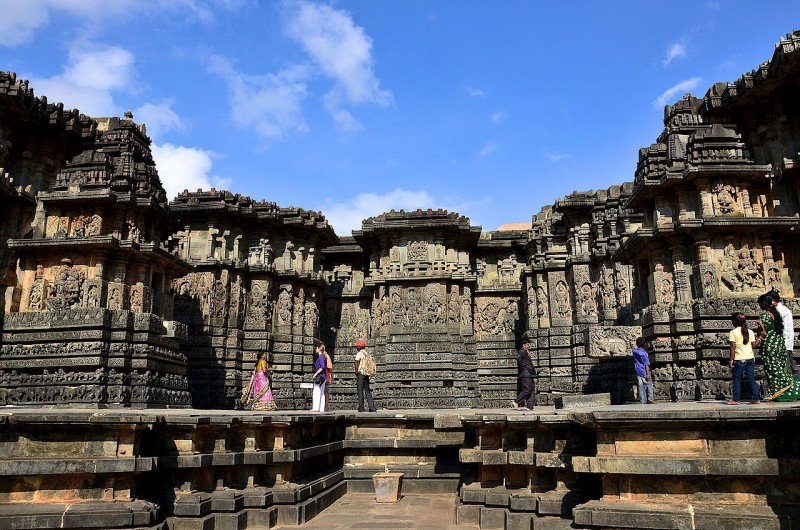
66 289
611 341
284 306
417 250
436 310
561 306
140 298
725 199
663 288
740 270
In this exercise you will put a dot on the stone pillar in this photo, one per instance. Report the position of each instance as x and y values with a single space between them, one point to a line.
681 278
542 301
664 213
745 198
706 201
683 205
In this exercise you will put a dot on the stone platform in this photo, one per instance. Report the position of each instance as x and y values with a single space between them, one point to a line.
670 465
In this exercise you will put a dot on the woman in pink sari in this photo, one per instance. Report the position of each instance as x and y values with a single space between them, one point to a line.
259 391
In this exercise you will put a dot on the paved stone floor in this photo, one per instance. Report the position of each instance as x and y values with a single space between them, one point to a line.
359 510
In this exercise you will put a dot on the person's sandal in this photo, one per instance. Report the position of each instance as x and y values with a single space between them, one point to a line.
732 402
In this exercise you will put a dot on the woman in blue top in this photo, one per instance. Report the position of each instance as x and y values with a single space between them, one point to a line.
318 396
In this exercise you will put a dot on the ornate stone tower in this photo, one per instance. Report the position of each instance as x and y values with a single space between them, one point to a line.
87 315
415 307
257 286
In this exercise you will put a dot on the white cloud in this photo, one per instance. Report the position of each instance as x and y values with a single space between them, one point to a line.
186 168
342 51
269 104
677 49
22 18
347 216
475 92
488 149
669 94
499 117
159 118
345 121
105 68
91 74
556 156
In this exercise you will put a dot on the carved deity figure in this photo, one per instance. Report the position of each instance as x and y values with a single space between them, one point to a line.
607 289
93 225
709 283
137 298
284 308
418 251
219 306
397 309
774 278
453 306
61 231
740 270
115 299
377 313
35 297
541 302
726 198
507 318
93 296
79 227
65 291
299 308
587 303
311 315
562 300
134 233
665 293
466 314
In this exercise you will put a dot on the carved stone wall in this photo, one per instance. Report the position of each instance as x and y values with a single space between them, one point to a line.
707 224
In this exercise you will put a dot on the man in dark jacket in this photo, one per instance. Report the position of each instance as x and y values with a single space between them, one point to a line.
527 389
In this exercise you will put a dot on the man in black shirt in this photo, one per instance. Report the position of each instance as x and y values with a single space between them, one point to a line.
527 389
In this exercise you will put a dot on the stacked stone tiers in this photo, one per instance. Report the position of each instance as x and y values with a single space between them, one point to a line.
428 367
497 370
165 469
91 357
703 465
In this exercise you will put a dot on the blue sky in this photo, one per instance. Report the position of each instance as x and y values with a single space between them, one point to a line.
352 108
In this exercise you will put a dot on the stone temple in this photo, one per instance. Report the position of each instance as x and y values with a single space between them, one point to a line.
112 297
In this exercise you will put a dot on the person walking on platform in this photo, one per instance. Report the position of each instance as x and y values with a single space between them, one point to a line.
525 378
641 365
743 361
365 368
318 395
788 329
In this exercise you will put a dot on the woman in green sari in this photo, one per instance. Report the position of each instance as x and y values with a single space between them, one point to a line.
782 384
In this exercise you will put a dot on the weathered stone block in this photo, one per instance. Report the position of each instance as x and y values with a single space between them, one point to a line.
519 521
492 517
590 400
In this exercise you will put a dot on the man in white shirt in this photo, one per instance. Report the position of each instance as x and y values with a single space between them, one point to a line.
788 331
